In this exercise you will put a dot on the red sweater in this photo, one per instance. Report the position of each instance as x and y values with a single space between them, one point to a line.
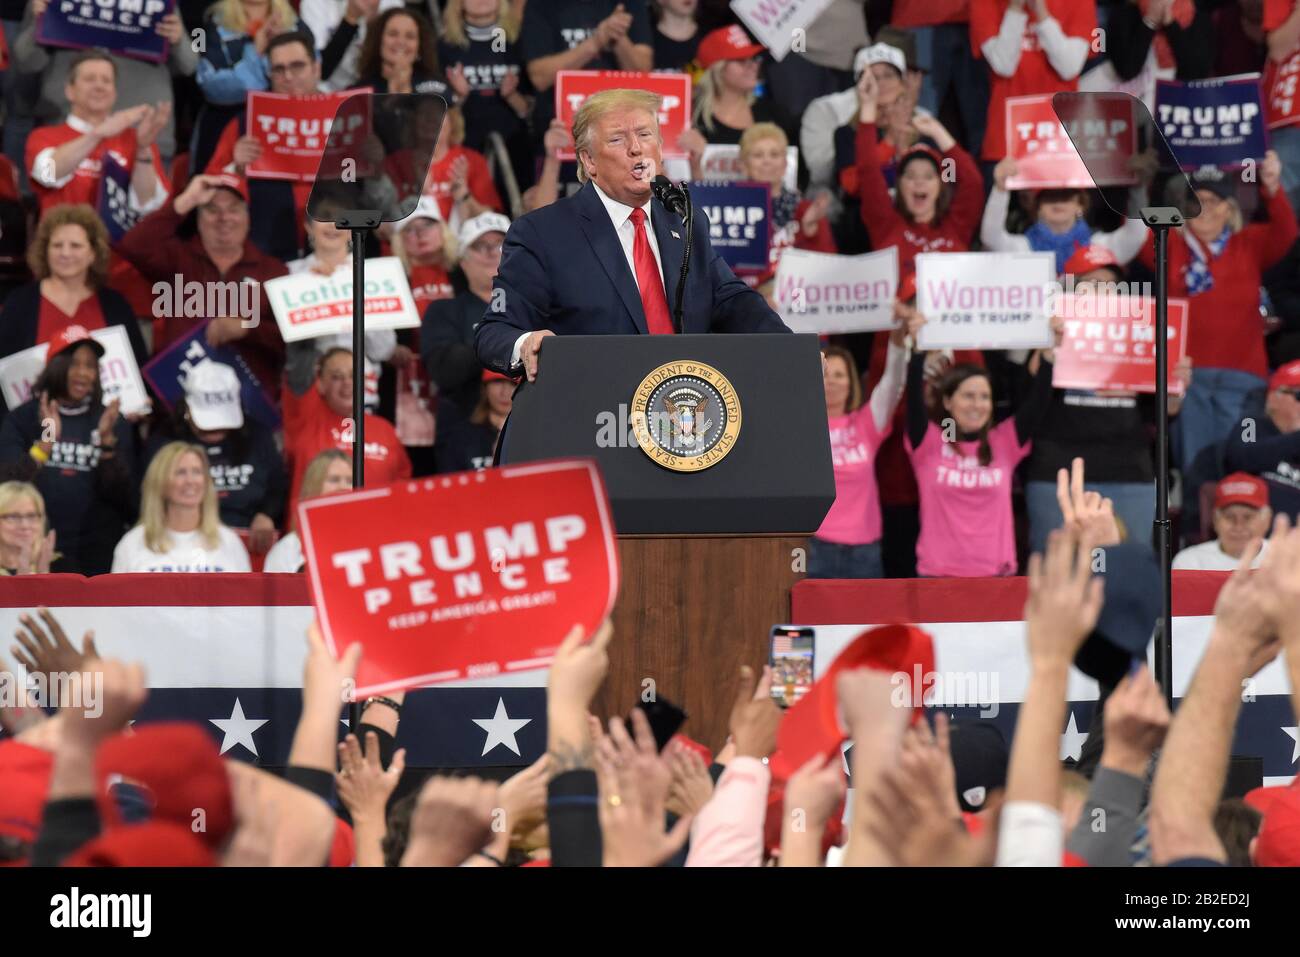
1224 330
886 225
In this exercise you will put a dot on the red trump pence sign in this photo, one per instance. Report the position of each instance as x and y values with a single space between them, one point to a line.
1045 152
461 576
572 87
1110 343
293 130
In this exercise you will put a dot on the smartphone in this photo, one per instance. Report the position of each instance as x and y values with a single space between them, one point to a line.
665 720
791 659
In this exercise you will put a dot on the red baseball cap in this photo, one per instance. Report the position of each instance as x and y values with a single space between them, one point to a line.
25 771
1279 835
233 182
1241 488
180 772
727 43
70 336
919 151
1286 377
1087 258
153 844
491 376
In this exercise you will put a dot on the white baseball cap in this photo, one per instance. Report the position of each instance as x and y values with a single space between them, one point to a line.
472 229
212 397
880 53
426 208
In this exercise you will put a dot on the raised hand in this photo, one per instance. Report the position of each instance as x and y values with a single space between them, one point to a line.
633 784
121 693
1087 515
1064 600
1270 173
170 28
121 120
1007 167
328 682
247 151
1136 720
868 93
927 125
364 786
456 79
811 796
691 786
557 138
452 820
151 124
50 653
755 717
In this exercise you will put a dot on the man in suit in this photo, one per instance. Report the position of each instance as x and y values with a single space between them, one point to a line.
607 259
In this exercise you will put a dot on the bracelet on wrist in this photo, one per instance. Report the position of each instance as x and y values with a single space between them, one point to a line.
493 858
380 699
38 453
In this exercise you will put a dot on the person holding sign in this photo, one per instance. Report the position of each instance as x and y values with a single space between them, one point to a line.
77 452
69 258
180 528
964 464
66 162
939 194
329 473
26 548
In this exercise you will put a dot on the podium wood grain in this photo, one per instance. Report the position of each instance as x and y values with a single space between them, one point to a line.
691 610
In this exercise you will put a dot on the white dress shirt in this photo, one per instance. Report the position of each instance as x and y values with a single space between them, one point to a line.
620 215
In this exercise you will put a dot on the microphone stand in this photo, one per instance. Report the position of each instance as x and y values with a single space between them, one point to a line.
688 221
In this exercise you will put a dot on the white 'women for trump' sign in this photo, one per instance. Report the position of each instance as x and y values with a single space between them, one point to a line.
985 300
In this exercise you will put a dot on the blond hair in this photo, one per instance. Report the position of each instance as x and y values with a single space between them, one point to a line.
11 492
757 134
153 498
607 101
231 15
313 478
453 22
448 253
706 91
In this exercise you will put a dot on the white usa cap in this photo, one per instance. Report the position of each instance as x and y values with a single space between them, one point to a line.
426 208
880 53
472 229
212 397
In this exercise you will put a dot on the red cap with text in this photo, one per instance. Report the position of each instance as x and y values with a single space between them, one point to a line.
727 43
1088 258
1241 488
70 336
233 182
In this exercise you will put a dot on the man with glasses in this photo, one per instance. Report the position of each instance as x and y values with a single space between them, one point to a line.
1269 447
281 206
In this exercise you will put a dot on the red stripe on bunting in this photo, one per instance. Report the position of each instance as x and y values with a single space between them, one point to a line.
934 600
175 590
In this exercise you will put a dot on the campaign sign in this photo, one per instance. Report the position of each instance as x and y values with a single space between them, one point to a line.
119 376
114 204
1110 342
470 575
985 300
126 27
1280 80
572 87
825 293
1217 122
293 130
775 23
740 222
1046 155
307 304
166 373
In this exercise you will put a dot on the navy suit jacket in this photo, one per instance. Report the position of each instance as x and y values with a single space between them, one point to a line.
563 269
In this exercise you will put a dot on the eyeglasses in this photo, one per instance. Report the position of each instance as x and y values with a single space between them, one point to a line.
296 68
420 227
487 249
19 518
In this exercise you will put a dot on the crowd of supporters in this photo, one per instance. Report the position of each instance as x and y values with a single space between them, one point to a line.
897 111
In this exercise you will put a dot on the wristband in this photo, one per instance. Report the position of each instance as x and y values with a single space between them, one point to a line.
380 699
493 858
38 453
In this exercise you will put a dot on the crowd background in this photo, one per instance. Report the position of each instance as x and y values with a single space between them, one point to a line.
881 99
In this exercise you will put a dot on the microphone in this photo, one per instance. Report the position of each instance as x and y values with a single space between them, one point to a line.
672 197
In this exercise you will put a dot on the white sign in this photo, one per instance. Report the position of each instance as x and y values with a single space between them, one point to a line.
775 23
119 376
720 163
307 304
985 300
824 293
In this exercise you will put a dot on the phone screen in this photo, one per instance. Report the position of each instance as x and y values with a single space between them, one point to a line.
792 663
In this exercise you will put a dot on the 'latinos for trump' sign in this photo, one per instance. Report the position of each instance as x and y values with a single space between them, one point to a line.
307 304
740 222
293 130
1215 122
985 300
824 293
471 575
572 87
1110 342
1045 152
126 27
118 374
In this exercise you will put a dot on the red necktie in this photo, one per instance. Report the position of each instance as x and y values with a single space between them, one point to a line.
657 318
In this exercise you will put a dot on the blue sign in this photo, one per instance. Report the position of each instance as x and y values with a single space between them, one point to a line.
740 222
1216 122
125 27
166 374
114 204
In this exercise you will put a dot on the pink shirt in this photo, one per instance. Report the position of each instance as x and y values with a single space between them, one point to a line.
854 518
967 530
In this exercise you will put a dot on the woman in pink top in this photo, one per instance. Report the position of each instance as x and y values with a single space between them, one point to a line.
964 464
848 543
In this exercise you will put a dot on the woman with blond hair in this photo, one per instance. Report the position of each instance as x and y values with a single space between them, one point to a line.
726 102
26 548
70 259
329 473
180 529
233 63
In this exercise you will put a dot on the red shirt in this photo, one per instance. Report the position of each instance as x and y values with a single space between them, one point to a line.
1224 330
886 225
52 320
318 429
428 284
1034 74
83 185
477 177
1281 82
928 13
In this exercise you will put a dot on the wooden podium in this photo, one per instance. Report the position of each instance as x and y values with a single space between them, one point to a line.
707 556
691 611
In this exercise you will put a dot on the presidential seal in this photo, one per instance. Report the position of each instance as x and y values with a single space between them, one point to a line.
686 416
